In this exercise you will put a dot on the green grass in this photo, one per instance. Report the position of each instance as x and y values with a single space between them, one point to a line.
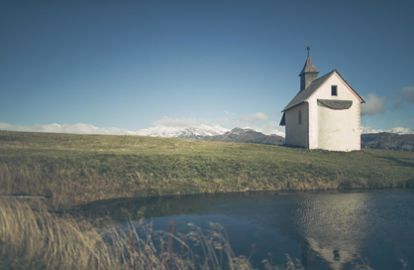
74 169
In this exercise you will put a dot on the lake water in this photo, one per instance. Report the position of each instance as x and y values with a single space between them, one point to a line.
323 230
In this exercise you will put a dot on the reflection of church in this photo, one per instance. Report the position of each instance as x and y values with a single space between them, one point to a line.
314 255
332 233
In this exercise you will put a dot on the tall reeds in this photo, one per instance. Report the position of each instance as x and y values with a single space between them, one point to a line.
33 238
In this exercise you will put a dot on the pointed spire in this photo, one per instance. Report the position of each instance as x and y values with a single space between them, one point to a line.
309 72
308 67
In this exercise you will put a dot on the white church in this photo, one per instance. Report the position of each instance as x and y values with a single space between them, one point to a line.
324 114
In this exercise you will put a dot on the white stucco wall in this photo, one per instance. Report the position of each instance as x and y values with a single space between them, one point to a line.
335 130
297 134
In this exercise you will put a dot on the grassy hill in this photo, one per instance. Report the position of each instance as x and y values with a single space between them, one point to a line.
74 169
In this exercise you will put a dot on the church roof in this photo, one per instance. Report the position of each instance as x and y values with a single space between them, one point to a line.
309 67
308 91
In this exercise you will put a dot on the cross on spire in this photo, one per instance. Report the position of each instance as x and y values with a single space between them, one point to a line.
308 67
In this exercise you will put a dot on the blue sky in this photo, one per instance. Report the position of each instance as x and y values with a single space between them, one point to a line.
133 64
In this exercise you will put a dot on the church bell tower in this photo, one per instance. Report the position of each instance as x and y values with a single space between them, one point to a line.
309 72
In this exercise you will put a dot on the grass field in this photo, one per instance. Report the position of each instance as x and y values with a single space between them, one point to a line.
75 169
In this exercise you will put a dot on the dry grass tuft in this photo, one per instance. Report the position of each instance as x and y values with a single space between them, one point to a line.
36 239
33 238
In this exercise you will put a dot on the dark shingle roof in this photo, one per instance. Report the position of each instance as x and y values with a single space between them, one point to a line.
309 67
308 91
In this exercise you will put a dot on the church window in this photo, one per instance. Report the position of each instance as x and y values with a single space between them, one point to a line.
334 90
300 117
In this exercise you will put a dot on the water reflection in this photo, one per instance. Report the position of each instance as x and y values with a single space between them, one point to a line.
325 231
333 229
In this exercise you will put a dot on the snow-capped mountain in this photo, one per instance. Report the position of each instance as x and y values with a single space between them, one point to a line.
395 130
183 131
247 136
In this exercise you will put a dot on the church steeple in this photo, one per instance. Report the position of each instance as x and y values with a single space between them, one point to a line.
309 72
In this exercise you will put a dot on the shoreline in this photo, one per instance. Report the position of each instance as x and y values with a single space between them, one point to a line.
46 200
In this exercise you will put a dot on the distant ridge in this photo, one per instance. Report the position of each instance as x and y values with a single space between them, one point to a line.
247 136
195 132
387 140
211 133
383 140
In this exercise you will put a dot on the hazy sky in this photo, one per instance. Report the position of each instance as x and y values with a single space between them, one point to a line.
130 64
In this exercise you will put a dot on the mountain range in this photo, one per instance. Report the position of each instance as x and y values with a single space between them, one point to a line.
386 140
382 140
246 136
393 139
191 132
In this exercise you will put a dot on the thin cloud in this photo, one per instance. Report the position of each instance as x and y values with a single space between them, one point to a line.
183 122
79 128
404 96
259 116
407 93
373 105
176 122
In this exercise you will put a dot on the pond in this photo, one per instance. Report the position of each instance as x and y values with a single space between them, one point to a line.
323 230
